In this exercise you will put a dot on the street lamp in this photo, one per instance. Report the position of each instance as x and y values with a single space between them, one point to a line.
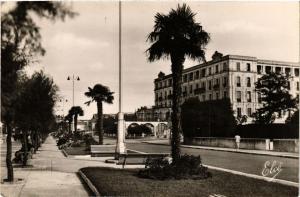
73 79
120 140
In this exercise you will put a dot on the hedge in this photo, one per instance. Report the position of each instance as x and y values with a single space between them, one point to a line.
270 131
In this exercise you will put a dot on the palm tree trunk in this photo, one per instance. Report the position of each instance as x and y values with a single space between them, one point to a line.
177 68
75 122
10 170
100 121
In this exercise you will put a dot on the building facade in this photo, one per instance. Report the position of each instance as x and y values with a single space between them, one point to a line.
230 76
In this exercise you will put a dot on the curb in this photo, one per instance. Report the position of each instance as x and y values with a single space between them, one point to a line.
280 181
64 152
89 183
233 151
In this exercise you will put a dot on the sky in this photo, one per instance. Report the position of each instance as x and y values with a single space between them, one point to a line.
87 45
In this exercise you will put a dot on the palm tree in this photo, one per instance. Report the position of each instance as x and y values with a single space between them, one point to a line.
177 36
100 94
75 111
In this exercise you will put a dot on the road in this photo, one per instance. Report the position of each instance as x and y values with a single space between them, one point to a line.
248 163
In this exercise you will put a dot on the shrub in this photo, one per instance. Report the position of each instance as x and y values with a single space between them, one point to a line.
89 140
270 131
187 167
207 119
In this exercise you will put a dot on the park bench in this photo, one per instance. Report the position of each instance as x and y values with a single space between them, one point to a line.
102 150
138 158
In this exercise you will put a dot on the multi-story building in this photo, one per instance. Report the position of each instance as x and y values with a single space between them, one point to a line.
230 76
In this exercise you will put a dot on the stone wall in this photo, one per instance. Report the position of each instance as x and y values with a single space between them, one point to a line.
283 145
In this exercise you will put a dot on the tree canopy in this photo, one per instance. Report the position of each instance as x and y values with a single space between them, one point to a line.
275 97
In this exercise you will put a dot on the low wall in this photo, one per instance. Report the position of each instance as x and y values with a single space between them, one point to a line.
283 145
286 145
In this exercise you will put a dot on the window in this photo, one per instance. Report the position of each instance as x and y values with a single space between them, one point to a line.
268 69
248 82
203 97
203 72
197 74
209 71
238 66
224 81
239 96
238 81
248 67
297 85
259 97
156 97
170 82
209 84
225 67
191 89
249 112
210 96
288 85
225 94
259 69
217 82
184 78
248 96
203 85
217 68
277 70
197 86
217 96
191 76
287 71
166 95
156 85
239 112
297 72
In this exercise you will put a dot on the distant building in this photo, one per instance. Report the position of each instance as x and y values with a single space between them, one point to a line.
230 76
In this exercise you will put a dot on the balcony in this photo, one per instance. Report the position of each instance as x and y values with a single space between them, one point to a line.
199 91
160 98
170 96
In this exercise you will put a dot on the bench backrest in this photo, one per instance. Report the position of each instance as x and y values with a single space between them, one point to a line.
103 148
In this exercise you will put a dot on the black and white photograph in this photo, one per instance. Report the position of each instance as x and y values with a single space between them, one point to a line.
150 98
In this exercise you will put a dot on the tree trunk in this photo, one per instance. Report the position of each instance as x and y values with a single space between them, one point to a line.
10 170
75 122
25 140
100 121
177 68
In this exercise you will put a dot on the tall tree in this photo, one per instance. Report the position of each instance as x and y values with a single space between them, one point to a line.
76 111
99 94
177 36
275 97
20 42
35 113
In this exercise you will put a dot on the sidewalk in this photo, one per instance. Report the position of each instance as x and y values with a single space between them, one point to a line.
51 173
258 152
41 179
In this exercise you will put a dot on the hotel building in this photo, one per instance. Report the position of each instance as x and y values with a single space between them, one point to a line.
230 76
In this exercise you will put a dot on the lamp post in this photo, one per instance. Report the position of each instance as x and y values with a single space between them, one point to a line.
120 140
73 79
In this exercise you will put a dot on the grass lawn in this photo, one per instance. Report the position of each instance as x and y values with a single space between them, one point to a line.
120 182
77 151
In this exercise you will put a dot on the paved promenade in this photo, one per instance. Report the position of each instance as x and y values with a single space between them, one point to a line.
45 176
